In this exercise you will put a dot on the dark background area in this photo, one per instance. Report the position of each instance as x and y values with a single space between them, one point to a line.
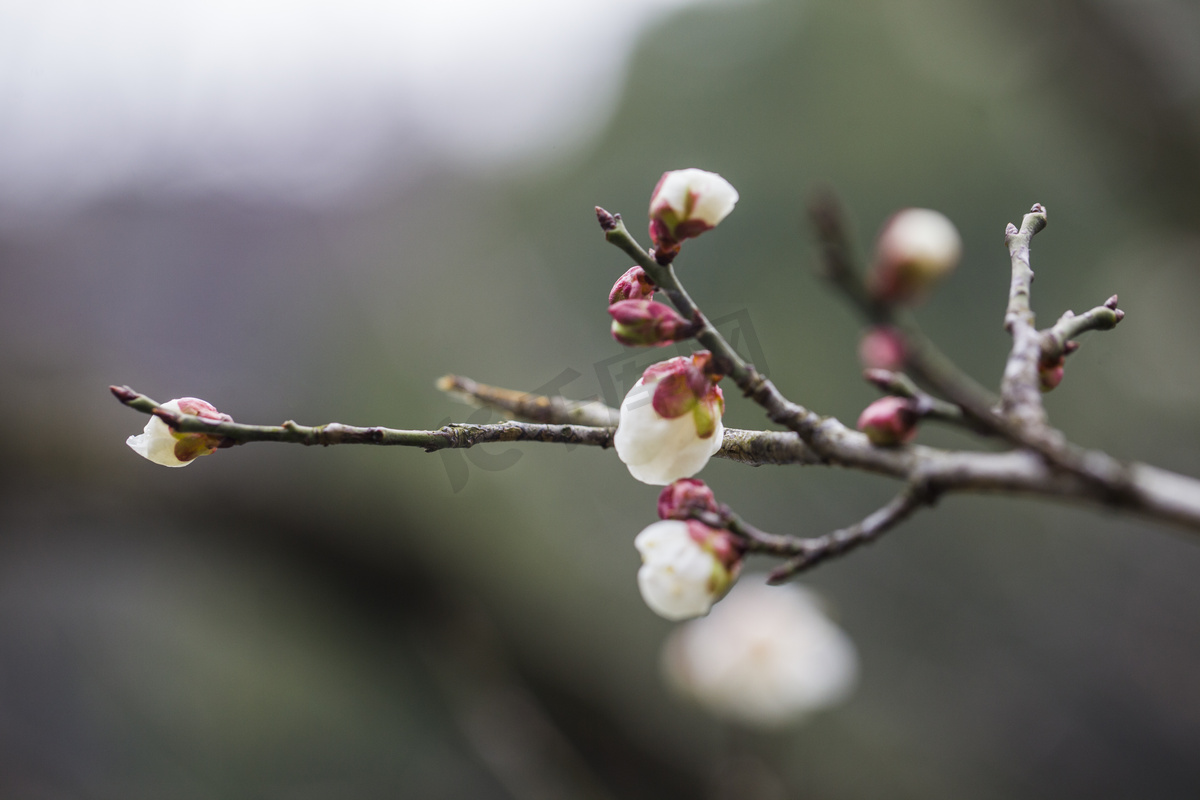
279 622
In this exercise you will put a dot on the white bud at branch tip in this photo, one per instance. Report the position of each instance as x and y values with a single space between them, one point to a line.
160 444
686 203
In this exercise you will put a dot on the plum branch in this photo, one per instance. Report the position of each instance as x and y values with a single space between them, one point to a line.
924 384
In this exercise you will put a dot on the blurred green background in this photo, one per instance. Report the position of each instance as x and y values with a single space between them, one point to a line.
278 622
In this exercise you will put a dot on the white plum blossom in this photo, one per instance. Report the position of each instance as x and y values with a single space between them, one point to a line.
765 657
670 422
686 567
158 443
916 248
686 203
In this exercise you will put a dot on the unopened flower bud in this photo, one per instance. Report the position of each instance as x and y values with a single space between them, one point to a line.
633 285
889 421
686 203
882 347
765 657
678 500
162 445
670 423
916 248
1050 373
647 323
607 221
686 567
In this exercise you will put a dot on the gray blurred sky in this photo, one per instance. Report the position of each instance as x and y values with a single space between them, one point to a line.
300 99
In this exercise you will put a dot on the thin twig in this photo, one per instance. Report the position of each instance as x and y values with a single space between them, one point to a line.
449 436
926 405
837 259
530 407
843 541
1054 340
753 540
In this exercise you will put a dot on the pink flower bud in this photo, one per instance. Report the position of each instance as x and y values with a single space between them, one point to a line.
882 347
633 285
889 421
1050 374
670 423
160 444
916 248
647 323
686 567
684 495
686 203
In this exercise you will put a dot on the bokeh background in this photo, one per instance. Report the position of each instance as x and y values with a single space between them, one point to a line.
313 210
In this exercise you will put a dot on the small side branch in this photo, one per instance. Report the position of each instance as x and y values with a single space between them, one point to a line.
753 540
840 542
837 261
1020 394
926 405
1056 341
530 407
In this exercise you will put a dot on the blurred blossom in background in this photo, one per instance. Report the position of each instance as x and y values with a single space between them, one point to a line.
764 657
312 211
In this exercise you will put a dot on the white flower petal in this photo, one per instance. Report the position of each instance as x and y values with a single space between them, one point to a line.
156 443
658 450
715 196
673 191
